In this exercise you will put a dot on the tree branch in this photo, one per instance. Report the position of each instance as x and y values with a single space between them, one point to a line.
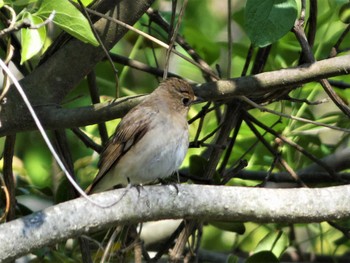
73 218
264 83
256 86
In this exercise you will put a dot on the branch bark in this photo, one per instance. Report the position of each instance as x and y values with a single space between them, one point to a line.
256 86
73 218
262 84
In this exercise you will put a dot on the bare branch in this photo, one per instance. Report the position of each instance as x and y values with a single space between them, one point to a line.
264 83
255 86
78 216
25 23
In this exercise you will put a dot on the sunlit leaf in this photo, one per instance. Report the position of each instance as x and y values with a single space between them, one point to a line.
32 40
85 2
276 242
344 13
69 18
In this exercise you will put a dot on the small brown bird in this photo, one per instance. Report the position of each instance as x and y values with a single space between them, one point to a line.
150 142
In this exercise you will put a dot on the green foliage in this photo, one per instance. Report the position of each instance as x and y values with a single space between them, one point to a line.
69 18
208 49
32 41
22 2
33 14
268 21
344 13
275 242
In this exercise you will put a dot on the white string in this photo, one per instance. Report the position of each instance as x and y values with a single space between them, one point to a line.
46 138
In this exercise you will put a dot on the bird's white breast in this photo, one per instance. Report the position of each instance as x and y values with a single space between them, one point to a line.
157 155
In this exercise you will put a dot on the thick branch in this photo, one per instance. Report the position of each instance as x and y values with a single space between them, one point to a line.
73 218
64 69
252 86
262 84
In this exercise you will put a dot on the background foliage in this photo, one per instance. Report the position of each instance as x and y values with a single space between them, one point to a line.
234 39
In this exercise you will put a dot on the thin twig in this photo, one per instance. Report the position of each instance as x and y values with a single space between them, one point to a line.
168 243
87 140
12 21
335 49
115 71
8 175
171 38
248 118
155 40
308 102
48 20
255 105
7 198
229 36
25 23
309 57
196 144
302 12
140 66
261 59
247 60
296 146
269 172
311 34
344 230
95 98
6 81
62 149
159 20
204 111
230 146
176 254
291 171
110 243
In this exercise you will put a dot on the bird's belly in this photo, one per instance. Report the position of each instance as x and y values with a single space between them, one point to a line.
158 160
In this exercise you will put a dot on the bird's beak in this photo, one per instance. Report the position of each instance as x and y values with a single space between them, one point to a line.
197 100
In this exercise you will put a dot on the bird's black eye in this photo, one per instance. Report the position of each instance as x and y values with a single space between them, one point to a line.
186 101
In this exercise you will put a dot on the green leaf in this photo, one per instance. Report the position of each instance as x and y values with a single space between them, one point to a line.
344 13
23 2
85 2
32 40
263 256
276 242
235 227
269 20
232 259
69 18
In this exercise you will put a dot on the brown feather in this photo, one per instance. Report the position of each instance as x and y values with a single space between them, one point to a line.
129 131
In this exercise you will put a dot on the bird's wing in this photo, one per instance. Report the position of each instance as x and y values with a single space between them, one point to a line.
129 131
